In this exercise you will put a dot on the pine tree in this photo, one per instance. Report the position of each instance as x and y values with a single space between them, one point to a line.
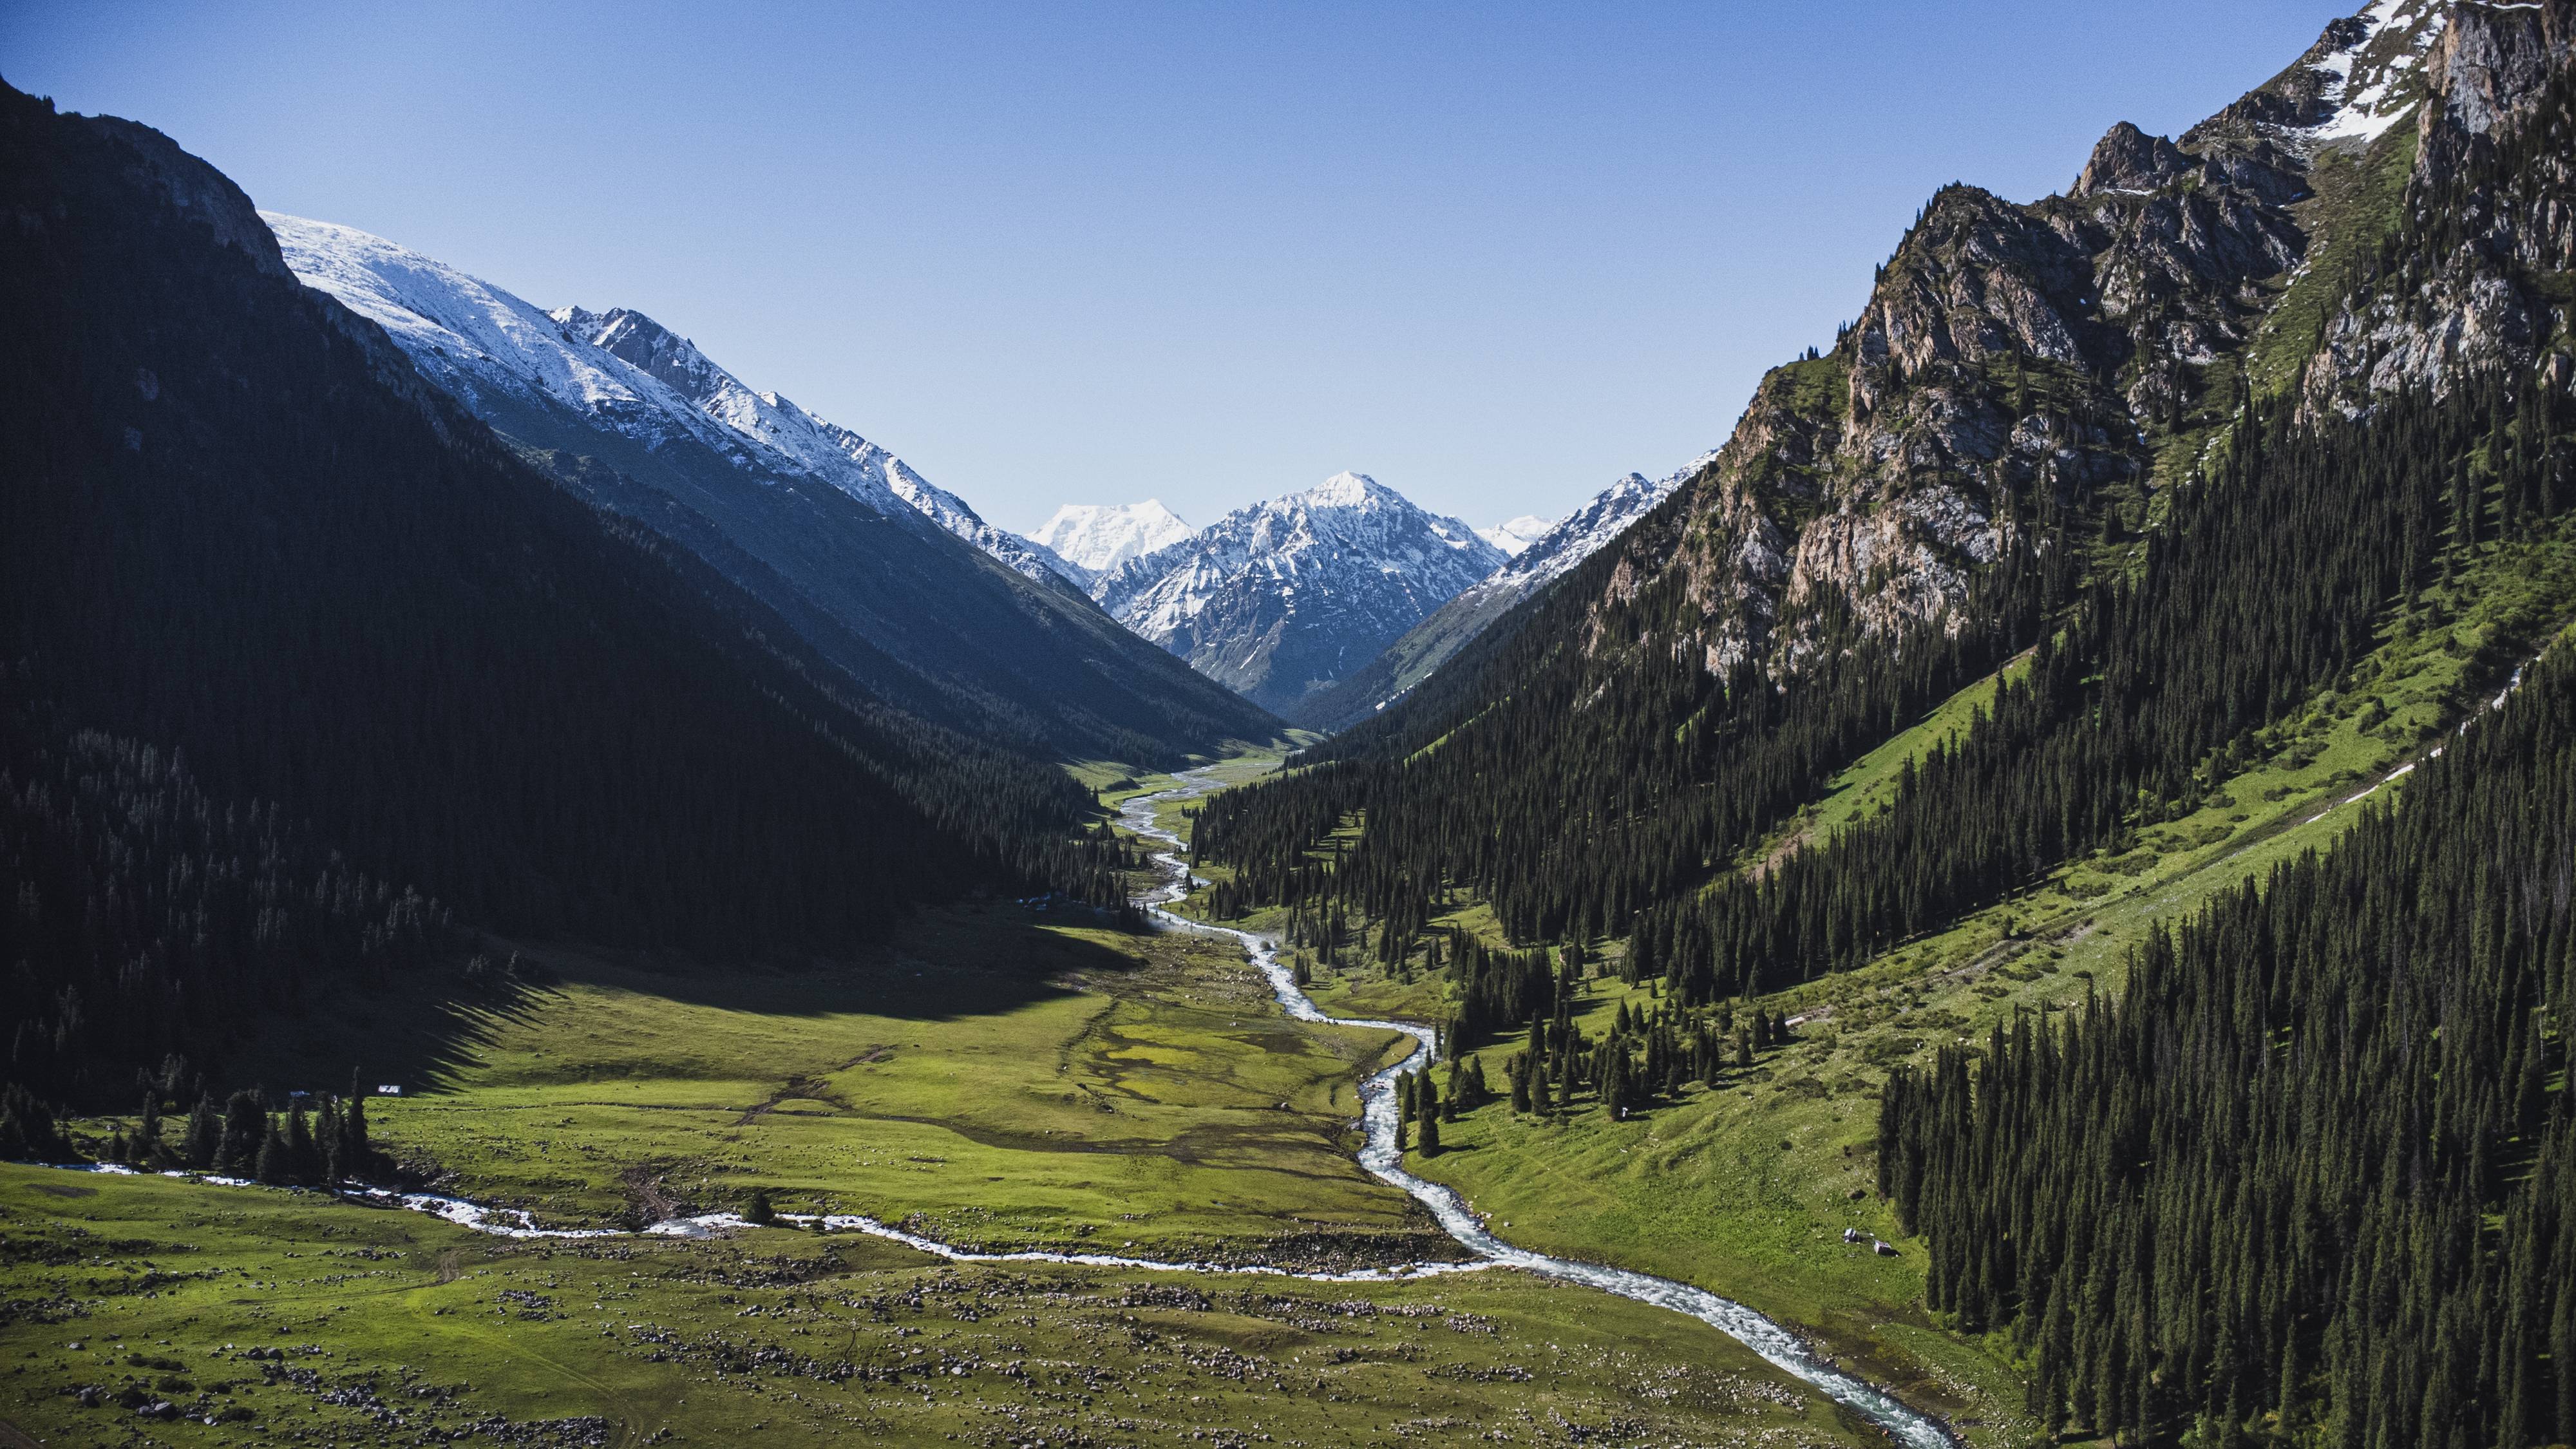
203 1146
272 1163
245 1126
147 1132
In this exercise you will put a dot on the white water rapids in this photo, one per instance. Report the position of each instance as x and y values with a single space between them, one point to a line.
1378 1157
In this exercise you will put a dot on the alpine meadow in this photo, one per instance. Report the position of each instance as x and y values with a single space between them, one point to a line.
557 897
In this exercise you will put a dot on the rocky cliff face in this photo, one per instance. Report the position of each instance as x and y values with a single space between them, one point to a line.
2486 303
2057 362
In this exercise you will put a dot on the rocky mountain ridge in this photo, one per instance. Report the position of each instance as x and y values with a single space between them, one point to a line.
2060 360
1281 598
1543 558
898 582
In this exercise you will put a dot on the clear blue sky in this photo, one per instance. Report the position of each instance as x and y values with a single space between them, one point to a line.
1493 255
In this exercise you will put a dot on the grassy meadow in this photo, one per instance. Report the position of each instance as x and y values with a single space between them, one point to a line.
150 1311
1000 1077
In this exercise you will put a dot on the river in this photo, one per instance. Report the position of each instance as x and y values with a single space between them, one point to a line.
1382 1160
1378 1156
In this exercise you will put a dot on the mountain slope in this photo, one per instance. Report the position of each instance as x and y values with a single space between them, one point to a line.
894 581
308 672
849 462
1284 597
1544 555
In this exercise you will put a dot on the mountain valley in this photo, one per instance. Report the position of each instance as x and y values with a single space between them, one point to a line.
2024 898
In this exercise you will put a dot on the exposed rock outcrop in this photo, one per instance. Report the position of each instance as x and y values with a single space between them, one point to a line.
2475 307
2022 364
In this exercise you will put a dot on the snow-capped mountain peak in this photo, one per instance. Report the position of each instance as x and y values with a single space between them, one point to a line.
1285 596
618 369
1553 549
1580 534
1348 490
1513 535
2374 69
1098 537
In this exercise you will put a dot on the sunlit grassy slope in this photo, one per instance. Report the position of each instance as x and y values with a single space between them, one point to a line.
1747 1189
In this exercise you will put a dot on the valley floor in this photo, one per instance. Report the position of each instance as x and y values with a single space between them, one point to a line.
1003 1077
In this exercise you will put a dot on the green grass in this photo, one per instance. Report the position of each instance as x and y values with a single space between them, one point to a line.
1869 783
390 1323
1006 1078
998 1076
2356 200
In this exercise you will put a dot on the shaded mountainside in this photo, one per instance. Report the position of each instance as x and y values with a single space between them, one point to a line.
308 672
1281 599
894 581
1545 554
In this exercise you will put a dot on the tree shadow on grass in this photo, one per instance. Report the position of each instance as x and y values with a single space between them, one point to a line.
424 1030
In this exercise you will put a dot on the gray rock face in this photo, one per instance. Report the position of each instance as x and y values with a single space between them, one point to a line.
2456 316
2015 362
2128 159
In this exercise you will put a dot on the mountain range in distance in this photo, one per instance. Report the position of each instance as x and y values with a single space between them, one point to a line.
1323 605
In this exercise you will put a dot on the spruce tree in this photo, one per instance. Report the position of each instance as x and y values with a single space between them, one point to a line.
146 1148
303 1160
272 1163
203 1145
245 1126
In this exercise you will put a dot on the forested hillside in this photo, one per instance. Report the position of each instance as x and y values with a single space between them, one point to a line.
2318 1162
307 673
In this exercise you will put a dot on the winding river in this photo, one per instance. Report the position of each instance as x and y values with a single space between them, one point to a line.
1383 1161
1379 1157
